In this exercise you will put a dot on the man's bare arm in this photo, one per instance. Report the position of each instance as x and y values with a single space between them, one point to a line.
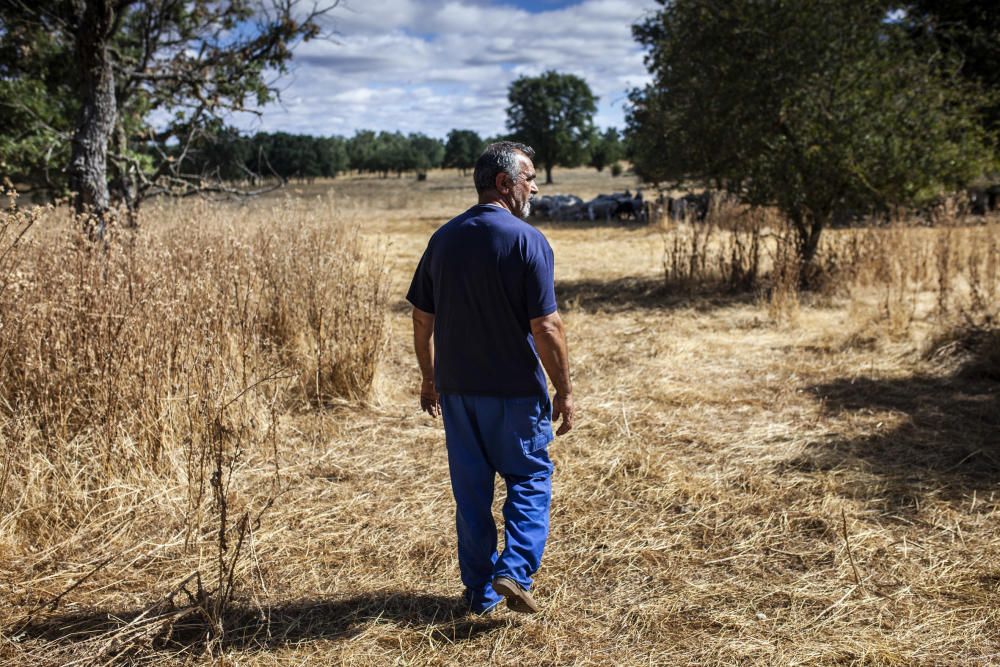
550 341
423 331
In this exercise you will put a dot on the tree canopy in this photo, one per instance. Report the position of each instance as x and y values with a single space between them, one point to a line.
226 155
554 114
968 30
605 149
463 149
767 100
385 152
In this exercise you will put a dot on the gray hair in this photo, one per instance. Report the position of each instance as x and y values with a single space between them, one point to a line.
500 157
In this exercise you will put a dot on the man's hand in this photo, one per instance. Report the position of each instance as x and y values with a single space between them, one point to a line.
563 405
430 402
423 332
550 341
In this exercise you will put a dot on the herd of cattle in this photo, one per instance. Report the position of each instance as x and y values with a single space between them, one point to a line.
693 207
622 206
983 200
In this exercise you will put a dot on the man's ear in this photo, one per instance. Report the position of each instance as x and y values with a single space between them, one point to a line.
500 182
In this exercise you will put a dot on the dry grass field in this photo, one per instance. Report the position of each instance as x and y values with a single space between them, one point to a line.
756 478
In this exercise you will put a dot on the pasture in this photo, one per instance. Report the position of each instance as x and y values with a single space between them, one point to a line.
755 477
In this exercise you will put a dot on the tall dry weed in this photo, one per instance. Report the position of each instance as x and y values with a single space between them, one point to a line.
325 295
784 281
907 273
724 251
735 249
156 365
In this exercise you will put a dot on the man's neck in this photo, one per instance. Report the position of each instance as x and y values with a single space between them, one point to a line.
493 200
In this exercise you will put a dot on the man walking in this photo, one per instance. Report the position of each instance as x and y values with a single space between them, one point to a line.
483 291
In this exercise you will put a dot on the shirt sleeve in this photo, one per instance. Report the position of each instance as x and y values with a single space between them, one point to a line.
539 284
421 292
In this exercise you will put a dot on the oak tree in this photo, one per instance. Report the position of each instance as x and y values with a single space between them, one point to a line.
554 114
605 149
812 106
462 149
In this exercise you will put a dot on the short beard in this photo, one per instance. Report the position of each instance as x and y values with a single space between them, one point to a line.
525 211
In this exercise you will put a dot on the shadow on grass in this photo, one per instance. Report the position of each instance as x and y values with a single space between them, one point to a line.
948 444
645 293
264 628
634 293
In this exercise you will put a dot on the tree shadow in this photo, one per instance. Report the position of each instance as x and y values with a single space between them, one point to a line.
250 628
947 443
634 293
645 293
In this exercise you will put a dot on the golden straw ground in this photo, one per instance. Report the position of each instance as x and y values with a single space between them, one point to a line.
814 485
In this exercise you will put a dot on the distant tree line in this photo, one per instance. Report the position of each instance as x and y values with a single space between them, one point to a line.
228 155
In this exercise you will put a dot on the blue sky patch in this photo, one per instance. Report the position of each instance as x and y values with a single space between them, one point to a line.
536 6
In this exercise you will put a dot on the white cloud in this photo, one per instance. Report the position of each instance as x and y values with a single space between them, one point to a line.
424 66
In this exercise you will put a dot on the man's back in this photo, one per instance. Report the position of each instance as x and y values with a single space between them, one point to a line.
485 275
483 291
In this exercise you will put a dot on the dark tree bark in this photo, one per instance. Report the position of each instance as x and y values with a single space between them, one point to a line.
808 227
89 157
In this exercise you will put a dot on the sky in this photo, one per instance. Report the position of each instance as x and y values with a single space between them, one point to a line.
426 66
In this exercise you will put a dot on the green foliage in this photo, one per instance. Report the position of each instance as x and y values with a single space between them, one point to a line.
427 152
332 156
393 152
224 154
360 149
228 156
812 106
606 149
36 106
462 149
190 62
554 114
969 31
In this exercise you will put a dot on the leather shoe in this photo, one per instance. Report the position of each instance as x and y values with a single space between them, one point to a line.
518 599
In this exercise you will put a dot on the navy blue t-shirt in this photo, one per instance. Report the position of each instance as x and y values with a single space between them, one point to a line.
485 275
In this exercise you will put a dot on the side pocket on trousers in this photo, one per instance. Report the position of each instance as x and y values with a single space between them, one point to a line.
530 421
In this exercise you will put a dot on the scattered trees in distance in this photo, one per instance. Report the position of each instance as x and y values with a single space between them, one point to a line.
760 98
223 155
229 155
606 149
462 149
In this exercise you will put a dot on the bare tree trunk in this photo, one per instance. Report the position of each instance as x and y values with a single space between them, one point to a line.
548 174
89 158
809 227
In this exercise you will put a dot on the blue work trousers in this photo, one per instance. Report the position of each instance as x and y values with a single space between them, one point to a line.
485 436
